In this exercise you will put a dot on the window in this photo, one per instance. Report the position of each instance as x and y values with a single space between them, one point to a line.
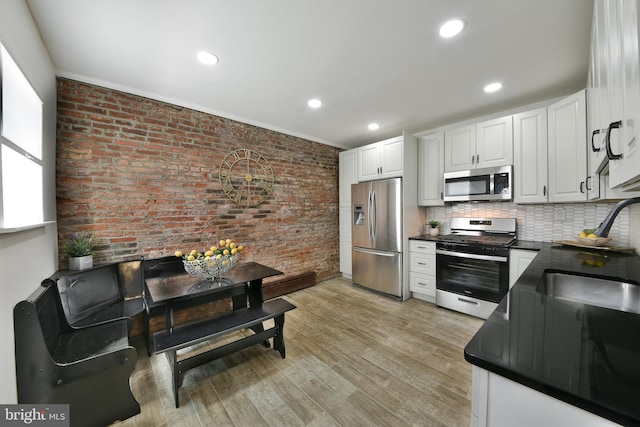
21 204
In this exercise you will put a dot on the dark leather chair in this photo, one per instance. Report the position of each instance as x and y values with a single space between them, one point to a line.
87 367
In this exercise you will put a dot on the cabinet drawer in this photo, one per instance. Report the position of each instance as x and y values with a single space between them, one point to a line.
422 263
422 246
422 283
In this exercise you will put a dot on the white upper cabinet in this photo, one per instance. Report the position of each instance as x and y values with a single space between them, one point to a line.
348 174
431 169
494 142
567 149
614 93
460 148
479 145
530 156
384 159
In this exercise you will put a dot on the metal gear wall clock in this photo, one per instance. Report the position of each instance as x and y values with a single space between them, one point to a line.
246 177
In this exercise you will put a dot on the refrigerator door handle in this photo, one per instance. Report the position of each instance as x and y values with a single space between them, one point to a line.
374 225
372 215
369 215
372 252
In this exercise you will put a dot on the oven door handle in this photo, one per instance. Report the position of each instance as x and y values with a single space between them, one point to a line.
472 256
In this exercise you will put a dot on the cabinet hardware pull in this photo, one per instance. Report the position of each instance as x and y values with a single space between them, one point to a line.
422 263
593 147
473 159
468 301
582 186
544 190
589 180
607 144
477 159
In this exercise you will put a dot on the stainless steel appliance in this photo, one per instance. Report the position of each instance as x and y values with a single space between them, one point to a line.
472 264
479 184
376 235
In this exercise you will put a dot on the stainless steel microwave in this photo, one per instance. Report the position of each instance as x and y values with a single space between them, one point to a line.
479 184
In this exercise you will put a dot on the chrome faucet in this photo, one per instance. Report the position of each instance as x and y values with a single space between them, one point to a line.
605 226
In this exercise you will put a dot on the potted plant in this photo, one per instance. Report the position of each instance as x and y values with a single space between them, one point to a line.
78 247
434 228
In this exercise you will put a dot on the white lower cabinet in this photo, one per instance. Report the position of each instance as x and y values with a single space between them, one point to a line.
500 402
422 270
519 260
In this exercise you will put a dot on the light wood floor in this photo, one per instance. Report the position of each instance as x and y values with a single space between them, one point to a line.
354 358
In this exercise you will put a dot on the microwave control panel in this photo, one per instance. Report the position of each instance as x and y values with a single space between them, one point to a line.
501 183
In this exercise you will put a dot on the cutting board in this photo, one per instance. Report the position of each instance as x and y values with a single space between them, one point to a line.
611 248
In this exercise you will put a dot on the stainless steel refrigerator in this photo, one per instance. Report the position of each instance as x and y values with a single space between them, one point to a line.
376 235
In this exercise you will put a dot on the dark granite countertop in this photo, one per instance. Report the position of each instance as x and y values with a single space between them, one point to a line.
584 355
425 237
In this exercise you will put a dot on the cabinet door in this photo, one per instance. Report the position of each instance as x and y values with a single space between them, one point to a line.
519 260
530 156
598 104
494 142
348 175
431 170
624 141
391 158
368 163
567 129
460 149
345 239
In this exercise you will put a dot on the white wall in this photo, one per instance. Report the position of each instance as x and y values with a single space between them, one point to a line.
27 257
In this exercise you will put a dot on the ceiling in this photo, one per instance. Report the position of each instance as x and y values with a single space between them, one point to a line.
367 60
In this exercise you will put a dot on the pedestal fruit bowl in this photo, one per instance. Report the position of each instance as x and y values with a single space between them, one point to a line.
213 263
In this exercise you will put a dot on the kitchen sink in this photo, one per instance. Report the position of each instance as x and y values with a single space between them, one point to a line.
596 291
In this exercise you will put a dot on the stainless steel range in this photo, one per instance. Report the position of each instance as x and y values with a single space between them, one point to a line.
472 271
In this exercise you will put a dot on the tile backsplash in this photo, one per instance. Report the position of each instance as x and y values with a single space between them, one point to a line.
543 222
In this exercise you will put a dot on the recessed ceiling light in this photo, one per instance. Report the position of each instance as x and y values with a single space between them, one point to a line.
207 58
314 103
493 87
451 28
374 126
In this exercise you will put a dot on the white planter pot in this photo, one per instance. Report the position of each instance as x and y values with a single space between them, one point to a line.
80 263
434 231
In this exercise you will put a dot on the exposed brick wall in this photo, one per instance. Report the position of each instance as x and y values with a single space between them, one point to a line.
142 176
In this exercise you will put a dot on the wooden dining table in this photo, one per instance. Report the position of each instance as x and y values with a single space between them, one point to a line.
243 284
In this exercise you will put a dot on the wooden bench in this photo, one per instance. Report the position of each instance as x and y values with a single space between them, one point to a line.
102 293
183 336
86 367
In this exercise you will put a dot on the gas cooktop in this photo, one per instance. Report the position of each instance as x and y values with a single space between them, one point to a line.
481 231
494 240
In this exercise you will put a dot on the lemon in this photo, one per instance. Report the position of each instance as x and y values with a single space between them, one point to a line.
232 245
228 241
592 236
240 248
178 254
234 251
191 258
208 253
223 242
583 234
214 248
193 252
225 252
218 256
